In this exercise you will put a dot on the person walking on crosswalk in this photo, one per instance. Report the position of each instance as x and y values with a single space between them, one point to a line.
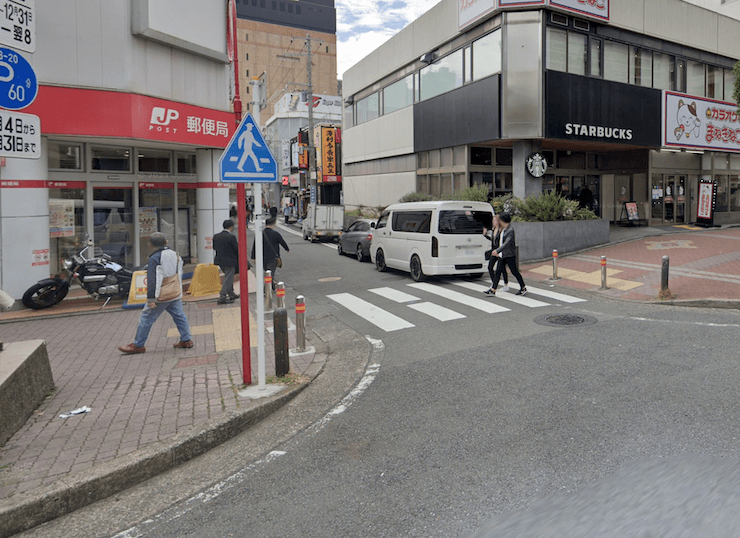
507 254
495 236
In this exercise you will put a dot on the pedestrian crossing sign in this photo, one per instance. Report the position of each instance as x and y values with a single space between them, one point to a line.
247 158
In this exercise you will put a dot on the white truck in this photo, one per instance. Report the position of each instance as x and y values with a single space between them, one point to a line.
323 222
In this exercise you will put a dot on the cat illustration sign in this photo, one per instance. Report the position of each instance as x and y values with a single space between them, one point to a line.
247 158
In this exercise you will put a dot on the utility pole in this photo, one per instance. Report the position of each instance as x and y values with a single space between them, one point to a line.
312 176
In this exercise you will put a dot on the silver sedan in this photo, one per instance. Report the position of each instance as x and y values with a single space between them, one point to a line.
356 239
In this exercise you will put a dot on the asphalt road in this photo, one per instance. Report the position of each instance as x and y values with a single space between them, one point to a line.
493 423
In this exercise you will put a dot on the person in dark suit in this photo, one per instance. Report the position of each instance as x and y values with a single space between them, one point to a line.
506 251
227 257
271 241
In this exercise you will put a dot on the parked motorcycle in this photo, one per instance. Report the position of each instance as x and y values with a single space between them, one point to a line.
99 276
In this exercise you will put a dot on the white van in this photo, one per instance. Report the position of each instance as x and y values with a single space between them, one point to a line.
433 238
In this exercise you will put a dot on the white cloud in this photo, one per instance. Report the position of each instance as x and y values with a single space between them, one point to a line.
364 25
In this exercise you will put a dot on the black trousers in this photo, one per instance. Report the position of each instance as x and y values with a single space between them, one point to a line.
492 268
501 267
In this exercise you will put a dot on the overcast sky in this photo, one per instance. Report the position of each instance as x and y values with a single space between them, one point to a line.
364 25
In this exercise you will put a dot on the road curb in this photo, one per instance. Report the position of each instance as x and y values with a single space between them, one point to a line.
86 487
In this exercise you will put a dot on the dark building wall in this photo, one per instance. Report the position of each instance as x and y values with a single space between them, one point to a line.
463 116
318 15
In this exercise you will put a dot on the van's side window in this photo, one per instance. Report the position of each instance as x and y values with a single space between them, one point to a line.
412 221
463 222
382 221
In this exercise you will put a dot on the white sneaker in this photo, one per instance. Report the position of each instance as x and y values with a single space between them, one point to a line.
505 288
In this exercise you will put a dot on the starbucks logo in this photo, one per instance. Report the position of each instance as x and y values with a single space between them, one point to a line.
536 165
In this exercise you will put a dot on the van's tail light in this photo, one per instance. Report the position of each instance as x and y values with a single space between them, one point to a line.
435 247
369 237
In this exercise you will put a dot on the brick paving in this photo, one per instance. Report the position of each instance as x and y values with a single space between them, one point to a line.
136 400
704 264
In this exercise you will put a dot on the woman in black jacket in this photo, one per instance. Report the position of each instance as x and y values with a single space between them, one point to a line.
495 236
507 252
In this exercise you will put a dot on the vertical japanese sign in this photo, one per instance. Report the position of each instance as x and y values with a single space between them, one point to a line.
61 217
707 200
329 154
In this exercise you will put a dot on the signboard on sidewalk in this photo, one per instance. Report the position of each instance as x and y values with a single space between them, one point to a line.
707 200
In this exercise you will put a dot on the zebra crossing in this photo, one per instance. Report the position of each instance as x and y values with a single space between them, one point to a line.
414 296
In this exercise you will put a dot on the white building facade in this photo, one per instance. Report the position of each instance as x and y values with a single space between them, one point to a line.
630 99
134 105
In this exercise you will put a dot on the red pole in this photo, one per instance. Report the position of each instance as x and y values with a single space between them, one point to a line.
241 215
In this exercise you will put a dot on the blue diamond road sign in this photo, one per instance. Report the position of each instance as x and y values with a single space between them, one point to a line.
247 158
18 84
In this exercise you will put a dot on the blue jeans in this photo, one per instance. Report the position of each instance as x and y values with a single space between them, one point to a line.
150 315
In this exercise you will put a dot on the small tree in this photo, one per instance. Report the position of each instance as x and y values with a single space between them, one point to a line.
476 193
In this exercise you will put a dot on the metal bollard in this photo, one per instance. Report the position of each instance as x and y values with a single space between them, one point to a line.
268 291
664 275
603 272
280 331
300 323
280 294
555 265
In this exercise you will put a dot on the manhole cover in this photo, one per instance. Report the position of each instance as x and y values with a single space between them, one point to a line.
565 320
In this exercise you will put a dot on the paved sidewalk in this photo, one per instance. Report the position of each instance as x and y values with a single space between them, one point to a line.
149 411
703 266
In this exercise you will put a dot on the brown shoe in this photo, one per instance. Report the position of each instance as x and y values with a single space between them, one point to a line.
185 345
131 349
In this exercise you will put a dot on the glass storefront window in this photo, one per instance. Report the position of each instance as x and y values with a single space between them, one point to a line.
367 108
442 76
65 156
468 63
734 192
185 163
154 160
729 85
504 183
616 60
110 159
722 198
680 79
695 78
504 156
187 241
557 49
398 95
66 223
641 67
596 57
154 200
113 223
481 156
715 82
577 53
548 183
662 71
487 55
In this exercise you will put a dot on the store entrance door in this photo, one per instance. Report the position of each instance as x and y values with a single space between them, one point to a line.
668 199
113 222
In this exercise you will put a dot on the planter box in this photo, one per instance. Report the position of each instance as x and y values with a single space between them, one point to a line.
537 240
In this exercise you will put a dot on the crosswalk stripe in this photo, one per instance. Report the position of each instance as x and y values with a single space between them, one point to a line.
486 306
555 296
436 311
368 311
519 299
395 295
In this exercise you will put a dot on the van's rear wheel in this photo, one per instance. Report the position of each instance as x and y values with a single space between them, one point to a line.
380 260
416 273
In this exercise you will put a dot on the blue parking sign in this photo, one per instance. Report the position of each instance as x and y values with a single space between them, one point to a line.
247 158
18 84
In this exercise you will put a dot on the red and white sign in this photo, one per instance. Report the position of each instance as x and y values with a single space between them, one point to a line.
39 257
85 112
701 123
592 8
706 195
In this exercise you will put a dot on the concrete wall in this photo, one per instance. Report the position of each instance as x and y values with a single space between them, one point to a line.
537 240
90 44
377 190
25 380
386 136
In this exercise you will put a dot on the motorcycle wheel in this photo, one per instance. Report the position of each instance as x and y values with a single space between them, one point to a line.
40 296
